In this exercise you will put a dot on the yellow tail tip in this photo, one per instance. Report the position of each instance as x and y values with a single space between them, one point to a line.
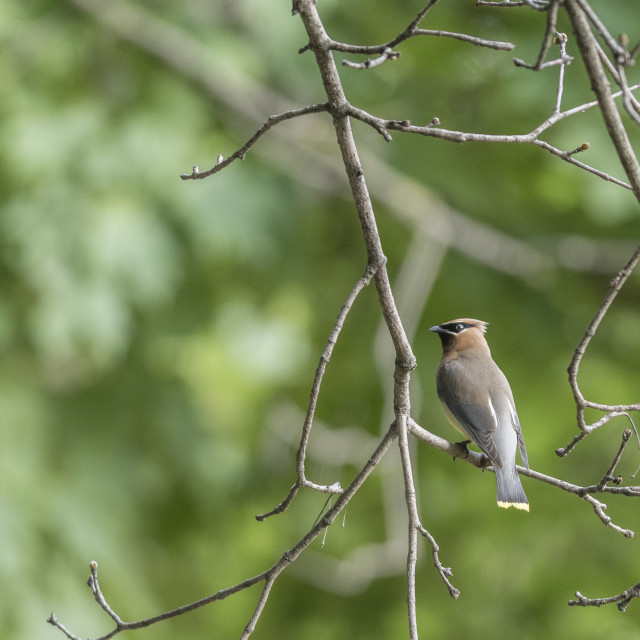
523 506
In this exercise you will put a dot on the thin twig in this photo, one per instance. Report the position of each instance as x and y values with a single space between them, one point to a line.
561 40
547 41
541 5
608 476
362 282
622 600
387 54
599 510
531 138
465 37
386 51
629 101
301 455
615 286
445 572
282 507
222 163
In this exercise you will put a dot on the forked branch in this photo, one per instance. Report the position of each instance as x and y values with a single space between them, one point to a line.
611 411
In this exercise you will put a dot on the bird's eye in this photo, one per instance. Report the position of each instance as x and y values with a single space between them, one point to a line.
459 327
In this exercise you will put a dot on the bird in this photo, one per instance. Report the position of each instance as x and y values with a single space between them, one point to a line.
477 400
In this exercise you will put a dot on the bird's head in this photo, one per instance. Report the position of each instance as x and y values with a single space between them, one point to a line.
463 333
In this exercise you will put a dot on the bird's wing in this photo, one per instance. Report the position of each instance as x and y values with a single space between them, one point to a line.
474 413
480 422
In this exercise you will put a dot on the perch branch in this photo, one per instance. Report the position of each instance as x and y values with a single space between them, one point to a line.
481 461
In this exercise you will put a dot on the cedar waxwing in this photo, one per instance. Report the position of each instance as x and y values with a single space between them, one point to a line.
477 400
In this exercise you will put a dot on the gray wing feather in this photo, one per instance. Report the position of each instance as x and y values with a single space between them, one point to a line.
475 415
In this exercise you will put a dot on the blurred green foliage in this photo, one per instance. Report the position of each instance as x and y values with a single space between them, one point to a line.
159 337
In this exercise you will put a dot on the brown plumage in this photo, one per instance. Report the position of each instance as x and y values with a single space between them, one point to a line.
477 400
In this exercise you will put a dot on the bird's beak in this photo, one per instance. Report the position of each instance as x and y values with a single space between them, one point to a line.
439 329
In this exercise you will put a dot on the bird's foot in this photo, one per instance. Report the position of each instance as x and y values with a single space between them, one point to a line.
465 451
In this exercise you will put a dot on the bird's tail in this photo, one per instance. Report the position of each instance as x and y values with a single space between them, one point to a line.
510 491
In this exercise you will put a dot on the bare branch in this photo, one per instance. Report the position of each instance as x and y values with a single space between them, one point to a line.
599 510
412 508
615 286
196 174
600 85
621 57
608 476
561 40
481 461
386 50
283 506
464 37
147 622
547 41
445 572
622 600
324 360
268 576
313 401
618 51
537 5
531 138
416 527
629 101
387 54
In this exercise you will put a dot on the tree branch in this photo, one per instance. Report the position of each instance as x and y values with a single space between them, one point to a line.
313 401
585 492
386 50
415 528
547 41
222 163
269 576
612 411
601 87
622 600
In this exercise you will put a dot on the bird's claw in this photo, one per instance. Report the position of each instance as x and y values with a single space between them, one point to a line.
465 450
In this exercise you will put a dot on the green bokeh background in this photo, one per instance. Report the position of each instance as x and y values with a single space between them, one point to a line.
158 338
